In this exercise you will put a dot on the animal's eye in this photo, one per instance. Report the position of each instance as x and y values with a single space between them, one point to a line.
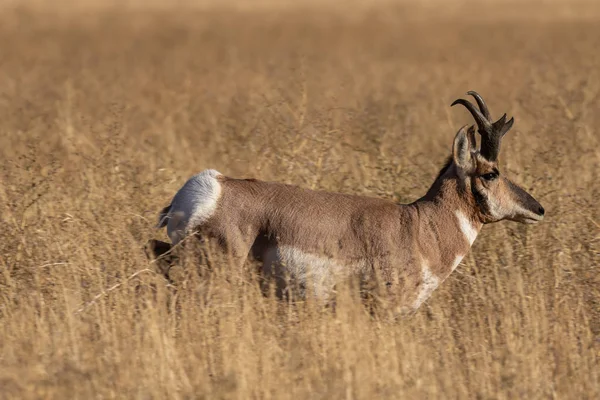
490 176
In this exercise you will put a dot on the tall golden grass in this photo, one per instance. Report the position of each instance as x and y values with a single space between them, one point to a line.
104 115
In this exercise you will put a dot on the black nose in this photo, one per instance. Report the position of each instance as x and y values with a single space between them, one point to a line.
541 210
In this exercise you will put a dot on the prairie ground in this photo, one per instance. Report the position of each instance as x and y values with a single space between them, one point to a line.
106 111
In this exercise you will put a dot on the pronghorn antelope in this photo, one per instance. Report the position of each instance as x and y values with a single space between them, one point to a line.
317 238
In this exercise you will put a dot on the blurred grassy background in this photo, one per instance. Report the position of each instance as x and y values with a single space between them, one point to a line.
105 110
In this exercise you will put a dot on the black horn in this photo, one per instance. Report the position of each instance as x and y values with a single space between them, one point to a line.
481 104
491 132
482 122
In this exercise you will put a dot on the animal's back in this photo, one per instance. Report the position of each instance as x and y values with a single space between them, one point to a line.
315 221
310 235
314 237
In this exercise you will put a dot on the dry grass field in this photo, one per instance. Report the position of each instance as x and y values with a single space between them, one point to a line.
105 112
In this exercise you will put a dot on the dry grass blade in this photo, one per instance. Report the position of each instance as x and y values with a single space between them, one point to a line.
106 110
110 289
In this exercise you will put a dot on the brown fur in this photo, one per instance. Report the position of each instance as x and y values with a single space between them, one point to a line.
368 236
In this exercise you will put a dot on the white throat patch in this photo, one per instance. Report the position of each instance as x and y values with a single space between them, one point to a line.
456 261
429 283
468 230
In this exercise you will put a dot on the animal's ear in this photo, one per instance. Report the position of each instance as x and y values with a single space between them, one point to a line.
471 137
464 143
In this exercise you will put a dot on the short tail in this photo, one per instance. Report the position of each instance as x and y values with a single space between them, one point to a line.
163 217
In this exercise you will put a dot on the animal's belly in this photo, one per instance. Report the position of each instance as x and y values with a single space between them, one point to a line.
308 274
312 274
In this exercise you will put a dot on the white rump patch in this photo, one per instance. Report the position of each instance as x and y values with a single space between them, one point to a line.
466 227
429 283
193 204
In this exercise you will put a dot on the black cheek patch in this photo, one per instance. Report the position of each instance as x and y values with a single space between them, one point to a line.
480 200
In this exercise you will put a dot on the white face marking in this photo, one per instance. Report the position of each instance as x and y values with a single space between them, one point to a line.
468 230
429 283
497 211
525 213
193 204
510 209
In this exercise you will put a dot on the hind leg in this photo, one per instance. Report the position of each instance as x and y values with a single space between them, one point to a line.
171 259
237 250
156 248
161 253
235 244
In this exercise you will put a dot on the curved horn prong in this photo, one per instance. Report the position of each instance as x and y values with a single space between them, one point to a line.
500 123
482 122
482 106
491 132
507 126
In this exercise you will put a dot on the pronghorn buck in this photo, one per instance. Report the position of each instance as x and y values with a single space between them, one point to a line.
317 238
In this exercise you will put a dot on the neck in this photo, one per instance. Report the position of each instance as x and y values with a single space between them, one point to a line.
448 216
448 193
447 227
